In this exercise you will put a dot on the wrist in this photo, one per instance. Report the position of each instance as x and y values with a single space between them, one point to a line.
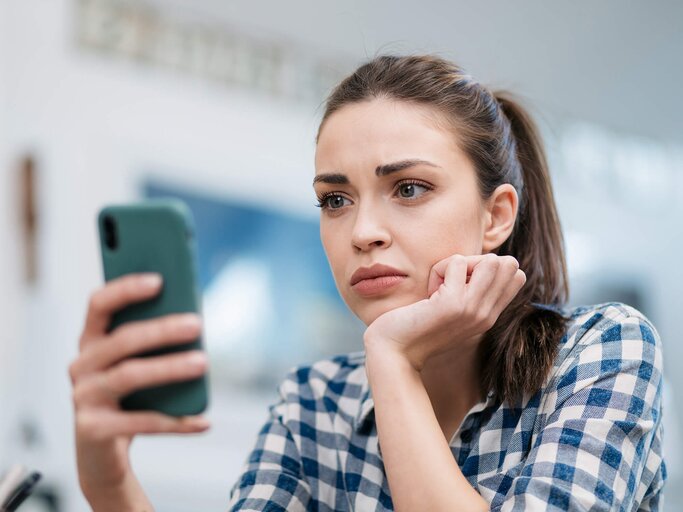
381 350
385 354
128 496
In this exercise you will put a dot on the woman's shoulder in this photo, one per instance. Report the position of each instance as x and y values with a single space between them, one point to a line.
602 340
605 323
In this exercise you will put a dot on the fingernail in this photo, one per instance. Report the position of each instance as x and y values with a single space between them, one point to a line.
202 423
197 359
151 280
191 321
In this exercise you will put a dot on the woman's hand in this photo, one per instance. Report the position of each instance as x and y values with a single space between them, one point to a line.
466 296
104 372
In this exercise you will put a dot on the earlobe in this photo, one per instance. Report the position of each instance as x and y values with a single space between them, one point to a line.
500 217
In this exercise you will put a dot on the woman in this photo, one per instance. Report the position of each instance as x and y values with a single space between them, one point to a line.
477 389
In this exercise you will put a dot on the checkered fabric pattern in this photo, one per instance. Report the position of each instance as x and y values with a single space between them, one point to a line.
590 439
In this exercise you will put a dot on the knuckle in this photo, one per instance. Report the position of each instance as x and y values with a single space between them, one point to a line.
127 371
146 331
136 335
73 371
166 327
458 307
78 394
84 421
87 425
169 425
96 303
146 370
132 285
169 329
490 322
510 261
124 289
174 363
492 260
185 360
451 312
481 316
484 317
181 326
470 311
126 341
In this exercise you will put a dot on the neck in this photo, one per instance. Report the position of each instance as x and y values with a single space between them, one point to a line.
452 383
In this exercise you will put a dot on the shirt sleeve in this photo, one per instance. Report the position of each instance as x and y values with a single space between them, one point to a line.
272 478
600 447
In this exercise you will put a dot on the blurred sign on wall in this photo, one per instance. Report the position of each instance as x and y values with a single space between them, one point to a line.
139 32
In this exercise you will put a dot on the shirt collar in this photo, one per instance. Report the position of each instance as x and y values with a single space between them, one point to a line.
367 404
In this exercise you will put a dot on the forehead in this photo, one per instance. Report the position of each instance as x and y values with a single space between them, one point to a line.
372 132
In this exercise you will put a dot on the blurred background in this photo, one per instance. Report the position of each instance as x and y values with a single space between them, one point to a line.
103 101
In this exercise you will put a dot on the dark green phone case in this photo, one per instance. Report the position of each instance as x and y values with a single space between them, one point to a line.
156 235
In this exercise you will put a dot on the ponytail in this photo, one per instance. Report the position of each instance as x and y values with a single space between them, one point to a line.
519 351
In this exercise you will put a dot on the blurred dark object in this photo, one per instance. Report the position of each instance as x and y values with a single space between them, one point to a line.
27 170
628 288
29 431
45 497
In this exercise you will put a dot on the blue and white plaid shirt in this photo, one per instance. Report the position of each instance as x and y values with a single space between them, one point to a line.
590 439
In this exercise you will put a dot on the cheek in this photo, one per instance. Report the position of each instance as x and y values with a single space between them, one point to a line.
337 258
447 234
333 250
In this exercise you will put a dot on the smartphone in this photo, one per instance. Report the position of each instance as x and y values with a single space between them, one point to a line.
156 235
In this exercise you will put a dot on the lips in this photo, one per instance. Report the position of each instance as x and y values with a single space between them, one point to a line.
377 270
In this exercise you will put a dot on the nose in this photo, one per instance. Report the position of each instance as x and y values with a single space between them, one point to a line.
369 229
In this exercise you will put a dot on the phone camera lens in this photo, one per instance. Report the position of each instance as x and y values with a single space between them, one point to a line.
110 236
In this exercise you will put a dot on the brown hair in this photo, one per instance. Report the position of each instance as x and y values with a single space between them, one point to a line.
502 141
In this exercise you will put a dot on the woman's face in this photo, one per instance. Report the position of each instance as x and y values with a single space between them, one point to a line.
398 192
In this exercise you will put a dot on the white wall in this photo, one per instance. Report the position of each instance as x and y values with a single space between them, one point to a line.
12 295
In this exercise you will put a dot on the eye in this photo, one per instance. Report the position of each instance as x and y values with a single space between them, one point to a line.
407 189
331 201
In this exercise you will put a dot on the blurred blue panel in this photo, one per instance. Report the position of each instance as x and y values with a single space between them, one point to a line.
279 254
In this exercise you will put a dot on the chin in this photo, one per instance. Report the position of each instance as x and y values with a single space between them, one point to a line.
370 311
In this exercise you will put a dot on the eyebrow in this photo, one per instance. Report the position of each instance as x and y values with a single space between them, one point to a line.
337 178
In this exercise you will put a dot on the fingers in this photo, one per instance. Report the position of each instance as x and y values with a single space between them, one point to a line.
137 337
108 386
99 424
437 274
115 295
516 283
458 273
482 279
508 281
140 373
493 285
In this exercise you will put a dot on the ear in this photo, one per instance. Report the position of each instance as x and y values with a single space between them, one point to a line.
499 217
